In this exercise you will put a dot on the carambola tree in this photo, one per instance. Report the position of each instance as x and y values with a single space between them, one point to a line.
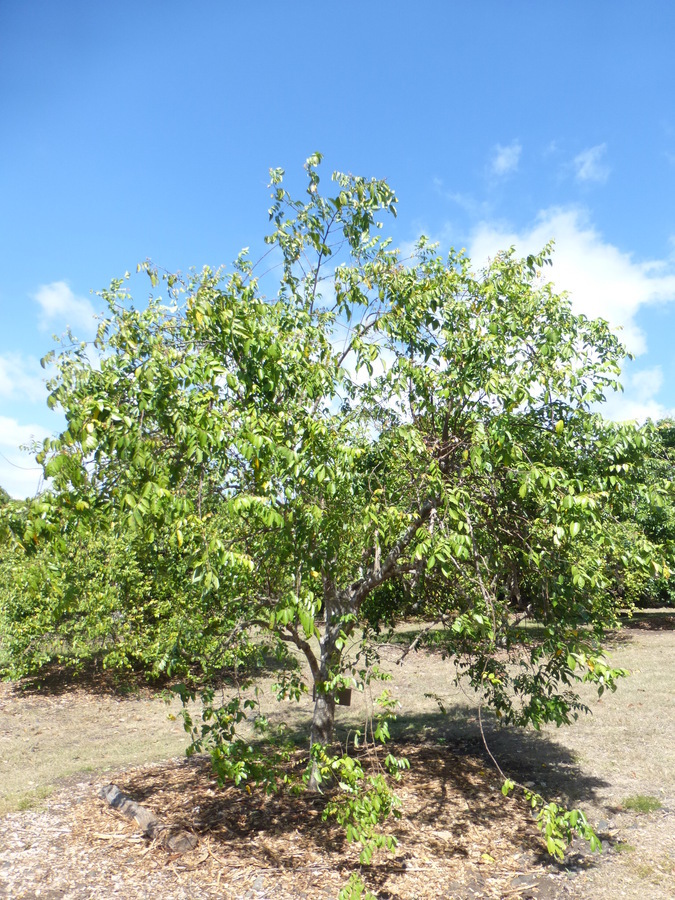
381 437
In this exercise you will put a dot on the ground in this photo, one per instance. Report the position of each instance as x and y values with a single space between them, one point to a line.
458 838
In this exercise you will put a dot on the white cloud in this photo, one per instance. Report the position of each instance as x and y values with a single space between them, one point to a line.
602 280
19 474
21 378
61 307
590 165
647 382
506 159
639 400
475 208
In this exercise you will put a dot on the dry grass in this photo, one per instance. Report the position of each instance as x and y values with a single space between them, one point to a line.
47 738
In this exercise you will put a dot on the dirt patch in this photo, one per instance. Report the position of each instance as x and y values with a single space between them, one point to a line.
459 838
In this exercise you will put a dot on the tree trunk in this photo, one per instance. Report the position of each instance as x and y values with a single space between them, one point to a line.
323 719
321 732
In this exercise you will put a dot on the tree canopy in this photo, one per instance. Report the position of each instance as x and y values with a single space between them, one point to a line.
384 437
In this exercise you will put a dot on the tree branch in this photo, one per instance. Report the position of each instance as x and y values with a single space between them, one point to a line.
388 568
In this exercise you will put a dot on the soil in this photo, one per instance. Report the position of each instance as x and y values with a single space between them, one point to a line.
458 838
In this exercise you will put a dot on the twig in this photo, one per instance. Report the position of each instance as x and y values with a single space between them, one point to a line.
414 644
485 743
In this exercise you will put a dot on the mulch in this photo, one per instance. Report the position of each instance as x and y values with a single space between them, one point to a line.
458 838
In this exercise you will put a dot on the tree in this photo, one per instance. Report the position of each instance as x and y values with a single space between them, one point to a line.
384 434
98 596
656 520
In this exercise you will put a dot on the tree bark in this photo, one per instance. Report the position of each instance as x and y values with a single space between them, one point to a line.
321 731
336 605
323 720
176 840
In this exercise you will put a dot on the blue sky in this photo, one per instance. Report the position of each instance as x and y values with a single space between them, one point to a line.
146 129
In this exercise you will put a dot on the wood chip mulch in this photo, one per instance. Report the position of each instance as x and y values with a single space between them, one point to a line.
458 838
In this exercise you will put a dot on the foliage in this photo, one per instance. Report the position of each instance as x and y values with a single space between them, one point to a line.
4 496
657 520
94 595
362 802
235 759
384 435
355 889
557 824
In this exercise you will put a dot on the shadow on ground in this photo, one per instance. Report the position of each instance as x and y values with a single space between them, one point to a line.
650 620
444 748
454 814
93 678
525 755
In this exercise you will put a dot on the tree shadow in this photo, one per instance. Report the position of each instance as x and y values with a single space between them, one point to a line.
58 679
452 798
229 814
662 619
529 757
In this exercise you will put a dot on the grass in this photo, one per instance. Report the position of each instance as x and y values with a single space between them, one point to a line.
644 871
624 848
34 798
641 803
